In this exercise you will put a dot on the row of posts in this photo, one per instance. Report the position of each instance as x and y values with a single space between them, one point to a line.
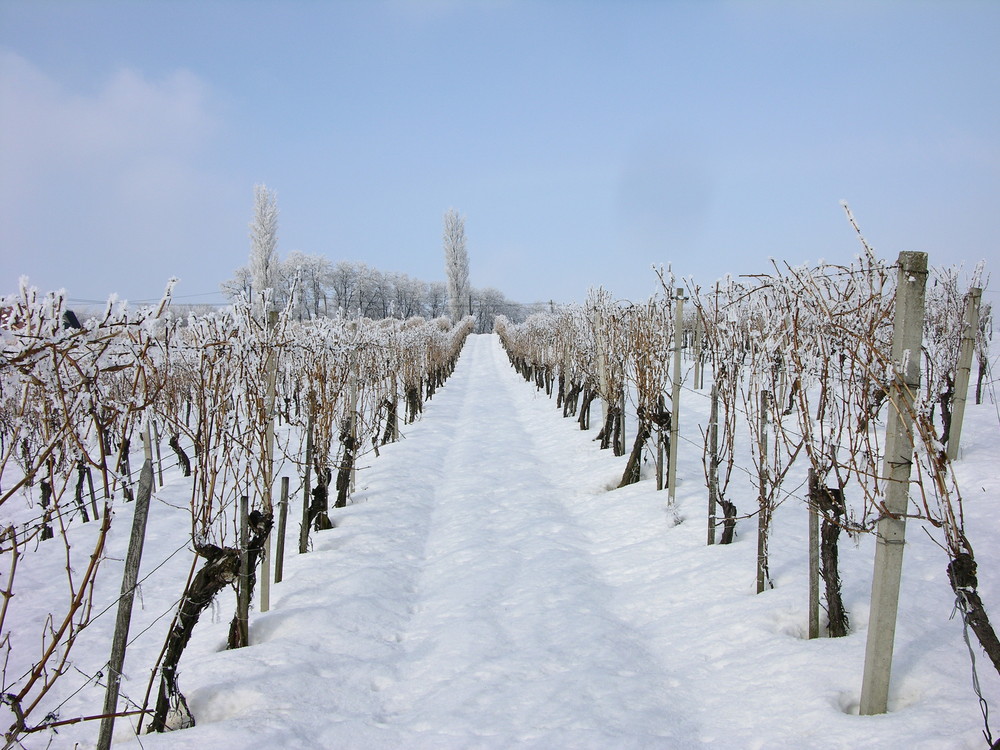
141 513
890 532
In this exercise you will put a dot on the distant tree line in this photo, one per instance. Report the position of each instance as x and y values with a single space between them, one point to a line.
323 288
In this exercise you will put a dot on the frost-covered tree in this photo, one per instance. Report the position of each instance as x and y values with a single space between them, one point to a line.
408 295
437 298
263 243
456 263
240 284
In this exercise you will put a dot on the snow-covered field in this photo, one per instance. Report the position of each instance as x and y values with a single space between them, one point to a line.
488 588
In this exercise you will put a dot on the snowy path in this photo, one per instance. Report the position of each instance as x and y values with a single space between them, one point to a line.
456 604
510 623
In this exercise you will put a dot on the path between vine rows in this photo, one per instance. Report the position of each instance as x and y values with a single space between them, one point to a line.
460 602
505 620
486 589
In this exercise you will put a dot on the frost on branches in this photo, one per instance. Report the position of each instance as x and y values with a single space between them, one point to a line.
73 398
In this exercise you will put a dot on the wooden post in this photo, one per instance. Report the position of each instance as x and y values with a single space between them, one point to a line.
272 375
713 462
243 582
890 533
159 455
147 443
124 619
813 566
279 551
675 400
763 512
304 529
970 327
125 467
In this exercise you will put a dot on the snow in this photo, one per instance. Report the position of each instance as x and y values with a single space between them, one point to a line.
488 588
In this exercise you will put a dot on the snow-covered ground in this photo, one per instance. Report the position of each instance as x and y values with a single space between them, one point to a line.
488 588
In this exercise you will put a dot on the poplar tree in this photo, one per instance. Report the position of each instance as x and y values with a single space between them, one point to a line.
456 264
263 244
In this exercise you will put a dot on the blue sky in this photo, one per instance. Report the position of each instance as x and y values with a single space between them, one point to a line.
584 141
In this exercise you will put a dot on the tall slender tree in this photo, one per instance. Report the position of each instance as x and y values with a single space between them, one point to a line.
456 264
263 244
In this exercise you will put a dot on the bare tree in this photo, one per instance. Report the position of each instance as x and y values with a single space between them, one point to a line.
408 295
456 263
437 297
240 284
263 243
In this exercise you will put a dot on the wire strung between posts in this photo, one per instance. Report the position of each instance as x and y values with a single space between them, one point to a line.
983 705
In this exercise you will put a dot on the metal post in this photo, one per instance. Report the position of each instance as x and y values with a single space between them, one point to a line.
243 582
304 529
661 407
763 512
620 445
395 409
93 496
279 551
891 529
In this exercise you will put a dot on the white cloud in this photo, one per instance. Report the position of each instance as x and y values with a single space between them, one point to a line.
130 117
105 175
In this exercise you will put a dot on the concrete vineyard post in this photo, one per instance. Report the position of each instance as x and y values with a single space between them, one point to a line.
159 455
675 399
970 326
891 530
271 366
602 366
713 462
129 577
699 368
813 567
